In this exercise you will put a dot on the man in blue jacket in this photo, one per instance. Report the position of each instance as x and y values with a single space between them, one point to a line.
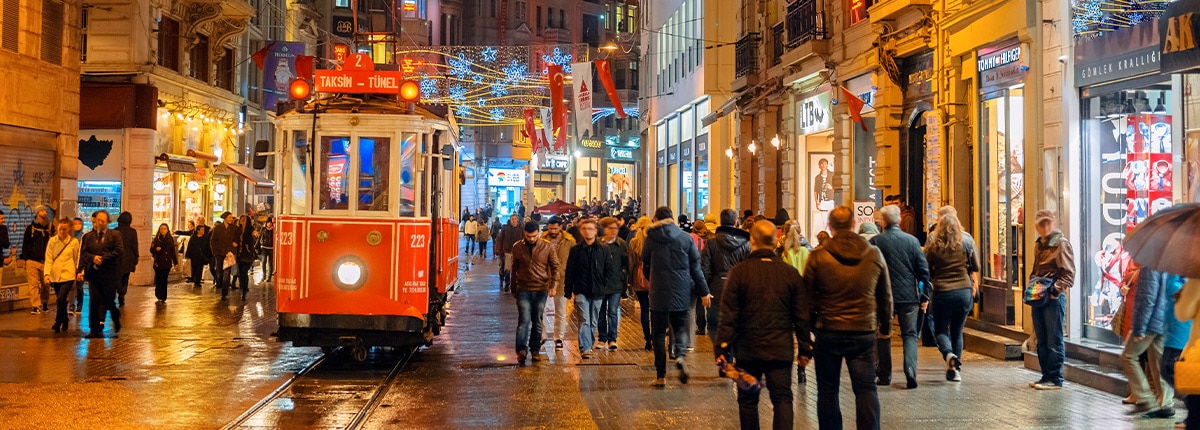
907 270
671 262
1154 397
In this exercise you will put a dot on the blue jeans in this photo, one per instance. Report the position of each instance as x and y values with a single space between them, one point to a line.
1048 327
950 310
858 349
530 307
610 317
909 330
589 307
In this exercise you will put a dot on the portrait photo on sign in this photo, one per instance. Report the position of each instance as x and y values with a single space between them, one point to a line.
820 166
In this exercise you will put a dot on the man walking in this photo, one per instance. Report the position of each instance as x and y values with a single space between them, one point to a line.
729 246
672 264
760 316
225 238
1154 396
847 289
907 271
130 255
610 308
534 270
33 251
470 227
100 265
266 249
508 236
589 267
562 244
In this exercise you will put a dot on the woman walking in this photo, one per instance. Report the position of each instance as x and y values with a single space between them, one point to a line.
162 249
246 252
954 273
200 254
62 258
641 285
482 235
795 251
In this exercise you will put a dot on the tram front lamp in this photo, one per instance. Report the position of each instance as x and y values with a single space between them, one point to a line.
349 273
410 92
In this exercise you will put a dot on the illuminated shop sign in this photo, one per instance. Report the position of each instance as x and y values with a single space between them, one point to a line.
1007 56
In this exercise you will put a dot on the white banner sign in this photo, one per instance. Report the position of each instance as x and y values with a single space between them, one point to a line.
506 178
548 129
582 85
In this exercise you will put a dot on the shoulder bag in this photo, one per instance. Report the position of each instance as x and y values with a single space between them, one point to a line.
1038 290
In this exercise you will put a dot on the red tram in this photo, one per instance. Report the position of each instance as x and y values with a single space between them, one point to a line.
367 235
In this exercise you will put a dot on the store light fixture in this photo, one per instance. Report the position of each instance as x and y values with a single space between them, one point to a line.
775 141
1129 110
752 147
729 152
1161 108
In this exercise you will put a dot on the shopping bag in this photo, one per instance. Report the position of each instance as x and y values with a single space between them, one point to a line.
230 261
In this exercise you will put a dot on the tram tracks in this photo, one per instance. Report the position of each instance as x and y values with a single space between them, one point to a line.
334 391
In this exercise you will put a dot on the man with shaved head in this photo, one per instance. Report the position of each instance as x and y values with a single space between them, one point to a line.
761 315
848 298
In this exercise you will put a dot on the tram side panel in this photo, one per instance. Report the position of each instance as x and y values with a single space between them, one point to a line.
449 255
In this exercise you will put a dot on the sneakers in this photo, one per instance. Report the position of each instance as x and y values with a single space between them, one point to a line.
683 370
912 384
658 383
1046 386
585 354
1160 413
1035 384
36 310
599 345
952 364
558 344
1141 408
953 376
612 346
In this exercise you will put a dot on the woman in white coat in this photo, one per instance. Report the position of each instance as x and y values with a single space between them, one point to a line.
62 261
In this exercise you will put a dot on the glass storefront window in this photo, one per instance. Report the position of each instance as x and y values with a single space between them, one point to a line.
689 184
98 195
374 158
702 177
221 193
334 170
1127 164
164 197
1002 161
673 187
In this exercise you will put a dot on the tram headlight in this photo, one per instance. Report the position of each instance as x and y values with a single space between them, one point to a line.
349 273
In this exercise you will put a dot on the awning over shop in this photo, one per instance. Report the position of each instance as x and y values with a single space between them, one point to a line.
177 163
262 185
1176 28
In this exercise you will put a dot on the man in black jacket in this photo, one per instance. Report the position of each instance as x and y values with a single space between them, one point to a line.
33 251
589 267
908 272
846 286
672 264
760 316
610 307
508 236
130 256
100 265
728 247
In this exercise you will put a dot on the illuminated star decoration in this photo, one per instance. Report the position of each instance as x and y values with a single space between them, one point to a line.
556 57
497 114
481 102
515 72
458 93
477 79
1094 18
489 54
460 67
499 89
428 86
462 111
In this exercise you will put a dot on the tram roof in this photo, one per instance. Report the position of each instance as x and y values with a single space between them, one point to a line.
368 105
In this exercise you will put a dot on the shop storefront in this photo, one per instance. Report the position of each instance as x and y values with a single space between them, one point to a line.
621 173
28 158
1127 113
682 156
507 188
815 168
865 152
588 173
549 176
920 190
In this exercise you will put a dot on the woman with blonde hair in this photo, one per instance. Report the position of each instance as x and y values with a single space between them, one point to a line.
954 273
795 251
641 285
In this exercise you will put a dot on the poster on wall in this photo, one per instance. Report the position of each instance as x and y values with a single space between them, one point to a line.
820 165
1193 166
933 167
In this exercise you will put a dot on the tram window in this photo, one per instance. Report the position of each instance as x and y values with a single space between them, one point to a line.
334 170
408 179
374 159
298 184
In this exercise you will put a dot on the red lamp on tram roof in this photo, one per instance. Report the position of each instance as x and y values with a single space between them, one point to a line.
410 92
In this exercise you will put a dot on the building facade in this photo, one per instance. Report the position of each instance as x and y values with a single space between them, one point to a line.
39 122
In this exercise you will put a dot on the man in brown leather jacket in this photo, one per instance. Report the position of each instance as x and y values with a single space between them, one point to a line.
534 277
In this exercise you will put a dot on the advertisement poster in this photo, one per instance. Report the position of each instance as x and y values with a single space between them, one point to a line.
820 165
278 71
620 181
1193 166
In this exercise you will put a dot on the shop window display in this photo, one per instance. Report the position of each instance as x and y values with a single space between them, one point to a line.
1003 194
1128 163
163 198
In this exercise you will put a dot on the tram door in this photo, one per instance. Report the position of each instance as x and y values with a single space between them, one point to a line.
441 167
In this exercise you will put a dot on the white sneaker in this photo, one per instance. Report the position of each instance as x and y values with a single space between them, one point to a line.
954 376
951 368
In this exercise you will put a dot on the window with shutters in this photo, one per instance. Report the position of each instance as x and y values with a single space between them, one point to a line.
9 30
168 43
200 62
83 42
52 31
225 71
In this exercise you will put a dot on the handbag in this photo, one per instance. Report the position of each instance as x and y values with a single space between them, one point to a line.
1038 290
1187 371
1118 321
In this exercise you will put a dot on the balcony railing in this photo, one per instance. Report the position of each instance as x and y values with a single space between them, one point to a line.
746 55
805 22
776 43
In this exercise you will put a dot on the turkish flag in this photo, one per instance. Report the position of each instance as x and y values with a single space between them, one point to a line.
260 56
560 134
605 70
855 105
530 130
558 112
304 67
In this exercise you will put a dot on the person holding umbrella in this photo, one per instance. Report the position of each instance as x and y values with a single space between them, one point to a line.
1054 259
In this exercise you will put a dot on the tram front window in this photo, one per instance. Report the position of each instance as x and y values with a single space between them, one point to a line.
334 172
408 181
374 158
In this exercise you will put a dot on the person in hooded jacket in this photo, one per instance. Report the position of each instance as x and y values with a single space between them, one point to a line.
908 271
728 246
848 300
129 258
33 251
246 253
1154 397
199 252
590 266
672 264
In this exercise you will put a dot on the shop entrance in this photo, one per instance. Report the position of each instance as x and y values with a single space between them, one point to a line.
913 189
1002 200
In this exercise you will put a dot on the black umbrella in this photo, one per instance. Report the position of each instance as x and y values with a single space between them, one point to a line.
1167 241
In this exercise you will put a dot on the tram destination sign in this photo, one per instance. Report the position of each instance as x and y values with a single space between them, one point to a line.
358 81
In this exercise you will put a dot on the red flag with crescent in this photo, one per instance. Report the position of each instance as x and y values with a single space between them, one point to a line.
558 111
530 130
855 106
605 70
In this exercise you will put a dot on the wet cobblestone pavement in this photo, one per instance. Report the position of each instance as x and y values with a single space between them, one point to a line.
197 362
